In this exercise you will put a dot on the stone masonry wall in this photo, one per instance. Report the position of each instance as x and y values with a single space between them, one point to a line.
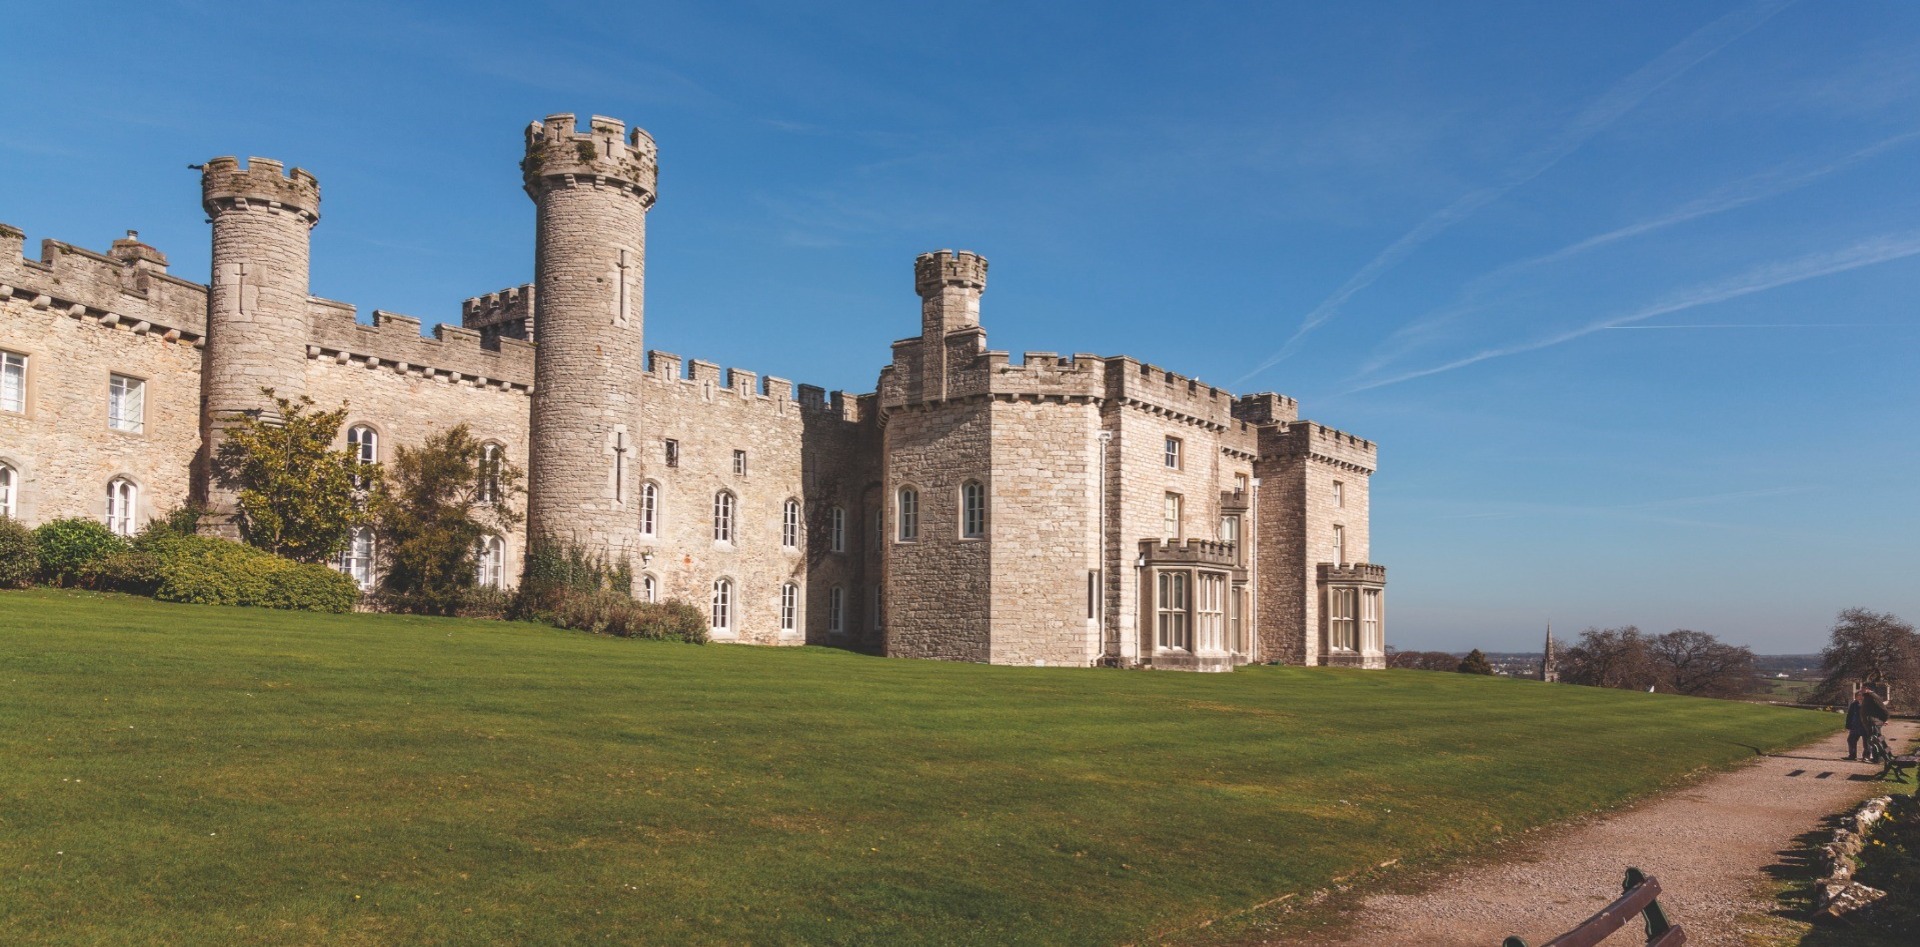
1044 498
61 448
1298 466
940 599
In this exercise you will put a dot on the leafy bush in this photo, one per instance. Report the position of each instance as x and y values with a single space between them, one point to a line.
69 547
204 570
130 570
439 503
19 555
607 612
477 602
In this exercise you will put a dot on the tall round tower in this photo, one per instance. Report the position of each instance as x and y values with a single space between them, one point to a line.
257 304
591 191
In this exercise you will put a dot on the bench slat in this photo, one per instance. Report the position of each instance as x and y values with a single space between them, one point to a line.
1611 918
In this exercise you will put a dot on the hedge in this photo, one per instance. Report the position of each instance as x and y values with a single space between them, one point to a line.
69 548
19 554
204 570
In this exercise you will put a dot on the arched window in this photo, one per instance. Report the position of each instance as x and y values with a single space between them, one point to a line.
357 559
493 563
723 517
789 608
909 514
364 443
973 510
837 529
9 492
649 589
836 611
490 461
722 621
122 499
649 508
790 525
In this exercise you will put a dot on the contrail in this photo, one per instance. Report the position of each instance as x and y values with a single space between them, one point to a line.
1622 98
1749 190
1866 253
1773 325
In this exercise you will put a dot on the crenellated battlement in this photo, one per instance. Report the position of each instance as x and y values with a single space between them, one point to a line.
127 287
708 381
1040 374
507 314
393 342
1318 442
606 154
262 183
1159 391
1266 408
940 268
1357 573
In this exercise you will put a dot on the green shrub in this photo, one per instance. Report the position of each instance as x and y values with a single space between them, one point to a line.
204 570
68 547
130 570
607 612
476 602
19 555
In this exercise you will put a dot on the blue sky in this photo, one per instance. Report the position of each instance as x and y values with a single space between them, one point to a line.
1624 290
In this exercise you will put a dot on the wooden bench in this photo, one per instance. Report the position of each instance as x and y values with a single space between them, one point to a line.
1640 896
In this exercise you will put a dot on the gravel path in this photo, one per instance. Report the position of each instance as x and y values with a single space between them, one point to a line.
1709 844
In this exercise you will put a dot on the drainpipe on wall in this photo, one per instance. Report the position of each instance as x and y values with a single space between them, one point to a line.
1110 653
1253 574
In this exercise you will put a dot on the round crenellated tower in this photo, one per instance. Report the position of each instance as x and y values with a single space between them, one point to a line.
262 218
950 284
591 190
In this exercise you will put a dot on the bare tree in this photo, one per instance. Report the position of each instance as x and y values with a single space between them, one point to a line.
1613 657
1701 665
1869 646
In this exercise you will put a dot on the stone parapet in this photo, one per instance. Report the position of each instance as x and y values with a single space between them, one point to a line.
1266 407
1352 573
1316 441
1135 383
1199 552
264 184
778 395
963 268
607 154
504 314
133 291
394 343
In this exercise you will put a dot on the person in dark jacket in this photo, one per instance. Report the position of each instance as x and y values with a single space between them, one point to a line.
1864 718
1855 729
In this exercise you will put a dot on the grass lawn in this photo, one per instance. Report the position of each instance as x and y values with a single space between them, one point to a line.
179 774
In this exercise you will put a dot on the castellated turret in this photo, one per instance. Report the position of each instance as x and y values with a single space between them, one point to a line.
591 190
950 284
262 217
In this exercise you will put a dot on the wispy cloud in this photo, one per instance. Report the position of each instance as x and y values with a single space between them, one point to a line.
1749 190
1649 506
1759 279
1602 112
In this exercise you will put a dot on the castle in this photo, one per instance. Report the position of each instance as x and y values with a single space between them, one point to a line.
1059 511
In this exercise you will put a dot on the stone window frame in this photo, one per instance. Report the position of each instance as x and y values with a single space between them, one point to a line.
1339 544
671 451
790 524
879 611
1175 456
649 508
1173 517
1339 494
1370 600
789 608
492 561
363 441
739 463
351 563
837 528
120 388
726 517
493 456
837 610
906 513
1172 611
123 505
10 483
14 365
1210 612
1343 619
649 587
975 512
722 616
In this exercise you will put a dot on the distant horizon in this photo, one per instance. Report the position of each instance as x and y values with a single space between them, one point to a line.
1432 226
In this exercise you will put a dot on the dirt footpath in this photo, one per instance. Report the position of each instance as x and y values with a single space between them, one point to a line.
1709 844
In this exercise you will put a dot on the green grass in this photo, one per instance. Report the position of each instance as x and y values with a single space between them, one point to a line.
188 775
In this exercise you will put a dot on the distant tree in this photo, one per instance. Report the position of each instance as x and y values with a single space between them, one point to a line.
1869 646
1701 665
431 512
296 493
1423 660
1474 663
1613 657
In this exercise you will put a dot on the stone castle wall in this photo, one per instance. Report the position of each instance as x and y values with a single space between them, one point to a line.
1047 544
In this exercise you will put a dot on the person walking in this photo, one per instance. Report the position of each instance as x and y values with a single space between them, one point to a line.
1856 730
